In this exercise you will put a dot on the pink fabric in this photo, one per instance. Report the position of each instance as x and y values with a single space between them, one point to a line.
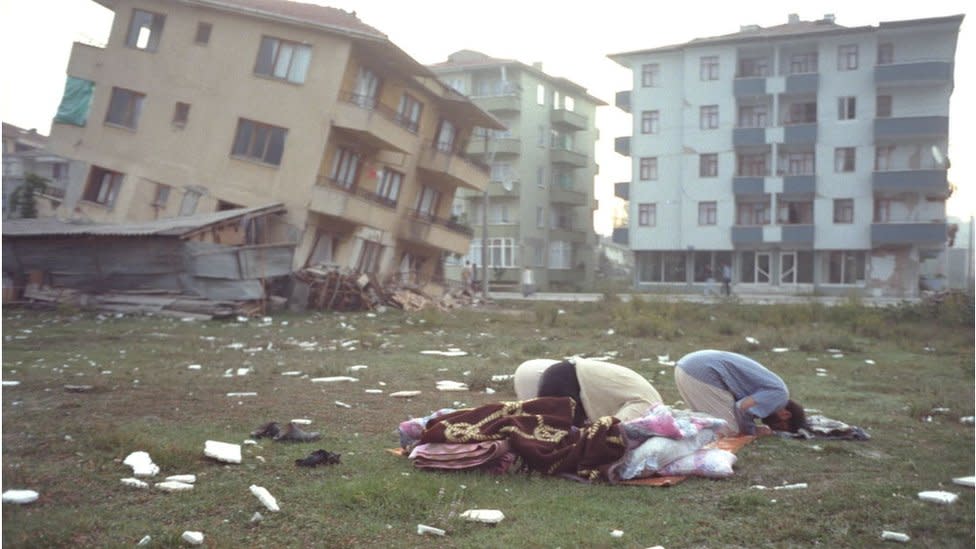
489 455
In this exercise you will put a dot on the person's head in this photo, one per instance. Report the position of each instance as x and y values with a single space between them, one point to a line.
790 417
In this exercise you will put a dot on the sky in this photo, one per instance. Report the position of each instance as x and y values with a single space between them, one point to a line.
571 39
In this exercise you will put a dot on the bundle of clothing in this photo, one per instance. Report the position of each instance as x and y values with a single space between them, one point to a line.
538 435
823 428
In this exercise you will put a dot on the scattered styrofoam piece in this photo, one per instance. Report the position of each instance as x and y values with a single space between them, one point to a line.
869 361
144 541
265 497
967 420
374 391
502 377
20 496
404 394
488 516
447 385
257 517
302 421
243 394
11 383
222 451
193 367
142 465
424 529
938 496
333 379
193 538
457 352
965 481
751 340
174 486
617 534
780 349
243 371
888 535
341 404
357 367
832 350
489 391
135 483
291 373
188 479
797 486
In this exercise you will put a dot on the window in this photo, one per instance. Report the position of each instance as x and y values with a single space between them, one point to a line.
190 200
650 75
844 159
145 29
367 88
181 114
843 210
124 108
540 217
847 57
650 121
752 165
555 100
883 108
709 67
648 169
540 94
498 213
103 186
569 103
408 113
754 67
803 63
563 179
846 108
886 53
445 137
709 117
646 215
501 252
799 163
560 254
845 267
882 157
261 142
389 187
345 167
369 257
283 60
707 213
753 213
203 33
753 116
428 201
708 165
882 210
540 177
501 171
802 113
794 212
161 196
457 84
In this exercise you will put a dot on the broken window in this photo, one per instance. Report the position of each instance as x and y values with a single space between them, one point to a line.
145 30
124 108
261 142
103 186
369 257
283 59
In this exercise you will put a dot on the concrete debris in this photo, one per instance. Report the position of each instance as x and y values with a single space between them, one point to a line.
967 420
142 465
797 486
174 486
188 479
424 529
222 451
245 394
751 340
938 496
193 538
449 352
78 388
341 404
374 391
487 516
20 496
265 498
888 535
158 302
135 483
965 481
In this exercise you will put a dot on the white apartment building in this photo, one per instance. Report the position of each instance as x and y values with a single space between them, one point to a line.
540 198
810 157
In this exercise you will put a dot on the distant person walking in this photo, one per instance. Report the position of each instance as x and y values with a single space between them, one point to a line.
726 279
466 276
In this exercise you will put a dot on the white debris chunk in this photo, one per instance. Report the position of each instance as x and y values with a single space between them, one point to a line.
302 421
965 481
374 391
357 367
222 451
193 367
404 394
173 486
489 391
20 496
11 383
193 538
797 486
291 373
424 529
869 361
144 541
341 404
243 371
265 497
256 517
447 385
452 352
188 479
135 483
244 394
617 534
502 377
487 516
333 379
780 349
938 496
142 465
967 420
888 535
751 340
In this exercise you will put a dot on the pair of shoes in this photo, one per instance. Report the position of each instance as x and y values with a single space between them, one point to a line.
319 457
269 429
293 433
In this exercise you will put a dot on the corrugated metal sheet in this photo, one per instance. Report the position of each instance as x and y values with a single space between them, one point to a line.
176 226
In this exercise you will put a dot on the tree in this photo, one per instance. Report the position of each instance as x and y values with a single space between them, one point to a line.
23 202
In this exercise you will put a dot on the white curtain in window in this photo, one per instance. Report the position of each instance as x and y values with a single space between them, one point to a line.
285 52
299 64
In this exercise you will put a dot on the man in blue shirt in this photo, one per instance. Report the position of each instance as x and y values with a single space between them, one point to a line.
739 390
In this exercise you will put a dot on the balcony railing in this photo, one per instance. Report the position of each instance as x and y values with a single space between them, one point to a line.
448 224
354 190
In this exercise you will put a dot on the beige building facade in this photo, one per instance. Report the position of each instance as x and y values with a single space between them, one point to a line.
205 105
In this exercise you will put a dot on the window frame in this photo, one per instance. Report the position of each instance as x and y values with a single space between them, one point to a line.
648 168
409 113
125 103
103 186
843 211
650 75
845 159
389 185
883 105
273 137
181 114
847 57
299 54
346 163
647 214
708 117
708 165
156 23
708 68
847 107
202 35
650 122
707 213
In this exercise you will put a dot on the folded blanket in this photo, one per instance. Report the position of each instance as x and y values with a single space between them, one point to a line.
491 456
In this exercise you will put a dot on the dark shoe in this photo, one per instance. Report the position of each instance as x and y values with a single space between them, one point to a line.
318 457
269 429
293 433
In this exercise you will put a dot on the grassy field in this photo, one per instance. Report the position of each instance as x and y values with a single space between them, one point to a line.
883 370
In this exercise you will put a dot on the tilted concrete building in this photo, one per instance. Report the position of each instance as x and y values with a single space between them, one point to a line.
540 201
197 106
809 156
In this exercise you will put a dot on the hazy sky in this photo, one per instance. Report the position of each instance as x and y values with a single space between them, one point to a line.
572 40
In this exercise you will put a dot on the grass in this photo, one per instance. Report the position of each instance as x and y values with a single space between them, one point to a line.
69 446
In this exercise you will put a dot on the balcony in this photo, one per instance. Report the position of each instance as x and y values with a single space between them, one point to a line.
451 169
85 60
923 72
747 235
508 103
799 184
748 136
924 181
908 233
797 234
559 195
495 188
429 230
622 100
622 190
567 157
356 205
374 124
748 185
622 145
567 235
750 86
501 146
800 134
565 120
621 235
802 83
911 127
